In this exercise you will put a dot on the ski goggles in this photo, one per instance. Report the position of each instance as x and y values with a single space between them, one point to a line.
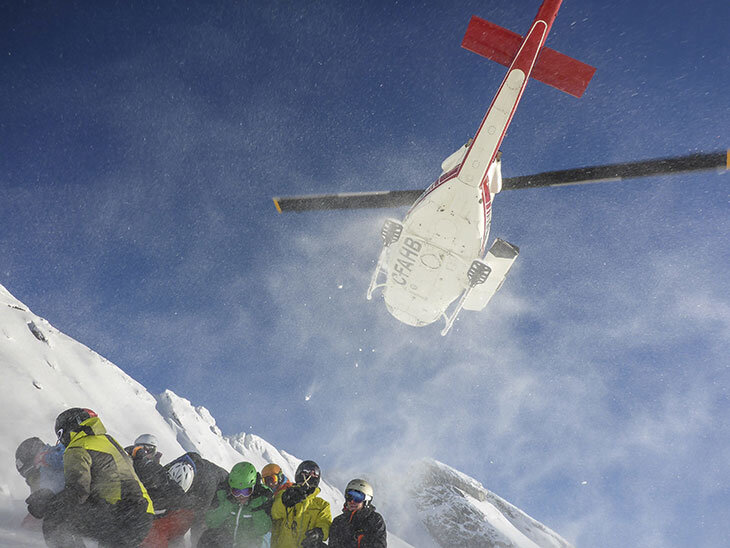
24 468
272 481
354 496
143 450
309 473
242 493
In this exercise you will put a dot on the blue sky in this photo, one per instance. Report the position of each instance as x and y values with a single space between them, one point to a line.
142 143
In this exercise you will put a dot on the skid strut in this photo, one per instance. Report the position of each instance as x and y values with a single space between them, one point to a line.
477 274
390 233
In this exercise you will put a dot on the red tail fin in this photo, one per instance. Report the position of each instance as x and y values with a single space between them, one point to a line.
552 68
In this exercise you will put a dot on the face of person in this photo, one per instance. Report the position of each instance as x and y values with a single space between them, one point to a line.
353 506
144 451
354 500
272 481
242 496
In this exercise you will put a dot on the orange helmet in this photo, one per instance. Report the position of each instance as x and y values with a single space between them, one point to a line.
271 470
272 476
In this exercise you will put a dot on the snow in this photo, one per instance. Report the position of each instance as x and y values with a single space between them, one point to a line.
45 372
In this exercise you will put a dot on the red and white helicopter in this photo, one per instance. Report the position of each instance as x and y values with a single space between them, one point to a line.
435 256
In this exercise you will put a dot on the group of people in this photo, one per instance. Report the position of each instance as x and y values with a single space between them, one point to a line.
89 486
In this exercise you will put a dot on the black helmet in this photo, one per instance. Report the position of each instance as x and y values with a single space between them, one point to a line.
68 422
26 454
308 474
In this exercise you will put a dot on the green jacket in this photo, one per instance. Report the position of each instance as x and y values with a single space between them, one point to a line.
96 469
245 525
291 524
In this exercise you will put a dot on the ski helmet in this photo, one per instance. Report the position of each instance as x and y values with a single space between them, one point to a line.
270 469
243 476
146 439
182 472
68 422
272 475
26 453
308 473
145 446
359 489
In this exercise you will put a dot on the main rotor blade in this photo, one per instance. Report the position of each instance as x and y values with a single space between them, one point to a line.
594 174
355 200
618 172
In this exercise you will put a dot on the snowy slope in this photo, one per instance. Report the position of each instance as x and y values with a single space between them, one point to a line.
44 371
459 511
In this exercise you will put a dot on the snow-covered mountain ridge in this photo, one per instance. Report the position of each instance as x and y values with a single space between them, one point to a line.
44 371
458 511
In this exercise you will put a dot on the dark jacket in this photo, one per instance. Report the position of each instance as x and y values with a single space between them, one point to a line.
165 493
363 528
208 479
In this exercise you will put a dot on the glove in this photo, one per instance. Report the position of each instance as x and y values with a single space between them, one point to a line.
293 496
313 538
38 502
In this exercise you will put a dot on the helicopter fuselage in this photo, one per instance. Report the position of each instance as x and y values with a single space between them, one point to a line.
442 234
439 251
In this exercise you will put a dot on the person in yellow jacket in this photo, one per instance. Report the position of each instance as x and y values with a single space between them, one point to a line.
300 518
102 498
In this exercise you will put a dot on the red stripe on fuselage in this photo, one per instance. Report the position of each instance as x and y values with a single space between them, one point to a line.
446 177
487 212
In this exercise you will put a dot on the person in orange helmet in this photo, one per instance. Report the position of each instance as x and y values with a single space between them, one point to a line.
274 478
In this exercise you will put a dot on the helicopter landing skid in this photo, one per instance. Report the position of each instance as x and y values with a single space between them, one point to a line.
390 233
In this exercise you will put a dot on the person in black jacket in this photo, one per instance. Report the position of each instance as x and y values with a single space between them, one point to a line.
165 493
200 486
359 525
172 519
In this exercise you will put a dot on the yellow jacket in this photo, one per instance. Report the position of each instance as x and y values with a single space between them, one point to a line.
96 468
291 524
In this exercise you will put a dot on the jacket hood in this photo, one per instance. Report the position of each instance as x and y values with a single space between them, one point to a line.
90 427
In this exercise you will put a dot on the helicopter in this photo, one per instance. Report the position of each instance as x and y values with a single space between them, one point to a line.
436 255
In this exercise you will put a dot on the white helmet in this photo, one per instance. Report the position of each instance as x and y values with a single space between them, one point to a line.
182 473
146 439
363 486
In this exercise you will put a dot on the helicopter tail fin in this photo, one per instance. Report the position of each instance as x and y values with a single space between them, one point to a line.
552 68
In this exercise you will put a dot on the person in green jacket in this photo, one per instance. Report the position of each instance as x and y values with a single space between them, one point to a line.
239 516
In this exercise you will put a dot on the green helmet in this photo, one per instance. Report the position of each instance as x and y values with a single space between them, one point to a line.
242 476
